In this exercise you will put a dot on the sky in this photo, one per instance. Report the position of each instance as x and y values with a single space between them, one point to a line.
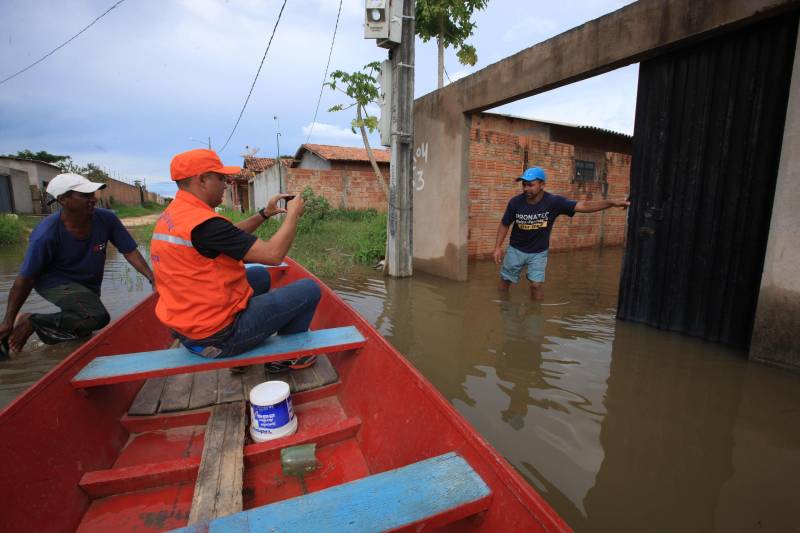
153 78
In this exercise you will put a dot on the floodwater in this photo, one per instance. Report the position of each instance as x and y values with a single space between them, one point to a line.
619 426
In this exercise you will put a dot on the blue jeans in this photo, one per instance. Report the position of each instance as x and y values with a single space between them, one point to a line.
288 309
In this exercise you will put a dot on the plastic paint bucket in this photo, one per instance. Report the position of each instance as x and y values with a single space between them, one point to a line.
271 413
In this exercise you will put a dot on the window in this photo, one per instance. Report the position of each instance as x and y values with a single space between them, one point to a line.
584 171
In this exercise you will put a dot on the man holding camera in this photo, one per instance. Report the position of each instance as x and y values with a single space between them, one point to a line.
215 306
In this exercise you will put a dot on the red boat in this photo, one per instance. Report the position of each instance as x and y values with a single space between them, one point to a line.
155 446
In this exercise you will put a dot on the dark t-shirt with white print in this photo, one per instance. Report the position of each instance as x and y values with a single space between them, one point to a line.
534 222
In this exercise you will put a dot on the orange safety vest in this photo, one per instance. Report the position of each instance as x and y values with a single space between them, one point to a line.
197 296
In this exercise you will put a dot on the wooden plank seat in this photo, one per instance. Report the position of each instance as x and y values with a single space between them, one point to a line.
214 387
434 492
135 366
218 488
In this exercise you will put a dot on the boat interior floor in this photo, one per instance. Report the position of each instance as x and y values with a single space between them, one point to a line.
164 464
213 387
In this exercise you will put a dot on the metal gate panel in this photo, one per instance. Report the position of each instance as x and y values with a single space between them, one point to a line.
709 124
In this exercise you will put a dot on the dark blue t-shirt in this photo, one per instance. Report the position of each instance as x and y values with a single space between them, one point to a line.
55 257
534 222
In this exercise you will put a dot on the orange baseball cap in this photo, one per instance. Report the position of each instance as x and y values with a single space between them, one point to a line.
196 162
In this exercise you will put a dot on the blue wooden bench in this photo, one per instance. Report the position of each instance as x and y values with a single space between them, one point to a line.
135 366
278 268
434 492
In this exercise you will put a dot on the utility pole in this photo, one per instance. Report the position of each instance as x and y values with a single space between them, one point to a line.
391 23
401 188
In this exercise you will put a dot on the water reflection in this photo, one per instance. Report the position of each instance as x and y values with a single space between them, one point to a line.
621 427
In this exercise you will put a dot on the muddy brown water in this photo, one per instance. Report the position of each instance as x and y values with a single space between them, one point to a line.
619 426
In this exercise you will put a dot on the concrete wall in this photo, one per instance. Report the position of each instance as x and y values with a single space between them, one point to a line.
777 324
266 184
635 32
313 161
39 173
20 189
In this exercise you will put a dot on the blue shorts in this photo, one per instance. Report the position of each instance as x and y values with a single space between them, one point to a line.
515 260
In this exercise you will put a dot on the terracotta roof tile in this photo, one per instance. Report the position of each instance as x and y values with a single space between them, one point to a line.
344 153
259 164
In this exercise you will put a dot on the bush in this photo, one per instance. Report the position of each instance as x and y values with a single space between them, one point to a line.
316 210
12 230
371 247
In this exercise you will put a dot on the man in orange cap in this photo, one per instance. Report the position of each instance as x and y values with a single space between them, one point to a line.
214 305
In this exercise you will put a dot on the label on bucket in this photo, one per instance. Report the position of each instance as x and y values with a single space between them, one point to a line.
271 417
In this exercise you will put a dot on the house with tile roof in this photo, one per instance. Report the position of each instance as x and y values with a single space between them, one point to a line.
327 157
342 175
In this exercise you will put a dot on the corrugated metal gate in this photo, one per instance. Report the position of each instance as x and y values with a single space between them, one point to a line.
709 124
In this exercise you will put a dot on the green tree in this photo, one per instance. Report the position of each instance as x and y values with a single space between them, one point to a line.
93 172
362 87
450 23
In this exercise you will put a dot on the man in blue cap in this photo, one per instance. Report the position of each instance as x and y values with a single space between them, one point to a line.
533 213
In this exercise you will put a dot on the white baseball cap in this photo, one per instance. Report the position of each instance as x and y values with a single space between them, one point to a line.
64 183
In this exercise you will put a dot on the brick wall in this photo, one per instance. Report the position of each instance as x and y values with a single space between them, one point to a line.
122 193
497 158
342 188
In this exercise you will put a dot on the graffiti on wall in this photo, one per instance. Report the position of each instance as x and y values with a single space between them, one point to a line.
418 168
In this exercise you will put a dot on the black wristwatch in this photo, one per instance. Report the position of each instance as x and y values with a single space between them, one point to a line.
263 214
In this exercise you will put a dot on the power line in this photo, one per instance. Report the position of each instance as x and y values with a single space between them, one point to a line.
57 48
256 78
325 76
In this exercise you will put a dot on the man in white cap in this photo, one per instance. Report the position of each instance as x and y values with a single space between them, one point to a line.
64 262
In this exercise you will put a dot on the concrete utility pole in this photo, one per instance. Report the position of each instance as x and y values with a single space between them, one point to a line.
401 191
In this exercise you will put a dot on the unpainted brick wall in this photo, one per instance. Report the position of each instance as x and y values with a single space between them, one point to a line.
498 158
122 193
342 188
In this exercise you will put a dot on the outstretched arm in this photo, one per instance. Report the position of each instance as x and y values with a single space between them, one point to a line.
502 231
137 261
16 297
273 251
590 206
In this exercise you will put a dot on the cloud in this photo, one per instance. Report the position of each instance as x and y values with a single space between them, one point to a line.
330 132
607 101
134 88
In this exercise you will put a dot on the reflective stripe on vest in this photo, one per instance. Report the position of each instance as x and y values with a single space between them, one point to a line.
173 239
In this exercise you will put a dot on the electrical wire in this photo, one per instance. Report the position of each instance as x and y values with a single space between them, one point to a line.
57 48
325 76
256 78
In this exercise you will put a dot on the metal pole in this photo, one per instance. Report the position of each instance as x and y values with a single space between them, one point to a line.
401 191
278 156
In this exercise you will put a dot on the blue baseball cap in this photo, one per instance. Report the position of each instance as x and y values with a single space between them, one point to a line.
533 173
